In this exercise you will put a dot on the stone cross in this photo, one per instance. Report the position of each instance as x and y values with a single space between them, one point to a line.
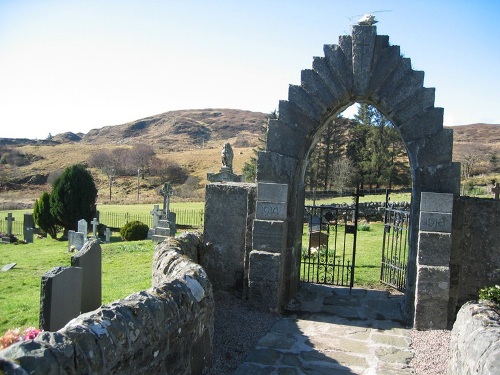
94 223
9 219
496 190
156 212
107 233
166 192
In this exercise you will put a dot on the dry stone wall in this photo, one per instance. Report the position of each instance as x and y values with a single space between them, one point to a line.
167 329
475 256
475 340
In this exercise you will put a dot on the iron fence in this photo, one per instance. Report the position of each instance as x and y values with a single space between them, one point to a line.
188 218
17 227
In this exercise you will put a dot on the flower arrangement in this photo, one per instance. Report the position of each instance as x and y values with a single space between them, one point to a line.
12 336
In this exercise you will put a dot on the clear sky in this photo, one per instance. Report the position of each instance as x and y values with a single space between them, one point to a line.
78 65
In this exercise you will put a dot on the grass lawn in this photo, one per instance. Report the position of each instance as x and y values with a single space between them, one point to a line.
368 254
126 268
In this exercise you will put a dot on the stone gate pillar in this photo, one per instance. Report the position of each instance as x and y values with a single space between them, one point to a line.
265 274
433 262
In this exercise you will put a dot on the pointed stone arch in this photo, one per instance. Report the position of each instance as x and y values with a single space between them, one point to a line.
362 67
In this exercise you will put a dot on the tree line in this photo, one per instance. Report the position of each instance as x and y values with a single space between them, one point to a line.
365 151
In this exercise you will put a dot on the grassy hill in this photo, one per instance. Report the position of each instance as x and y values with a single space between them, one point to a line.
190 138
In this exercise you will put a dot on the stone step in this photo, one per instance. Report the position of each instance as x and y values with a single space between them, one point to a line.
157 238
162 231
164 223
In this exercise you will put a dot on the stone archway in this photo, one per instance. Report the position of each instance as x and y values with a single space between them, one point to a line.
363 67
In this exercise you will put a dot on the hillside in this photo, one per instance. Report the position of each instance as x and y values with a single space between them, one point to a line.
190 138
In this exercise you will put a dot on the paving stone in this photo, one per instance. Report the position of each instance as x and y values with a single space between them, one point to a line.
291 360
386 339
252 369
264 357
277 341
394 355
288 371
344 359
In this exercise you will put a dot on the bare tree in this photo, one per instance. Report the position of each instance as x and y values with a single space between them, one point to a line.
343 174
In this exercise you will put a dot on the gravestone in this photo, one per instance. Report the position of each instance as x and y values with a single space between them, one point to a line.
89 259
60 297
107 233
496 191
83 228
156 213
8 267
76 239
28 227
94 223
8 237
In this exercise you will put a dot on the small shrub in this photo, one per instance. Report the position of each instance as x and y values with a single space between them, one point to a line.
364 228
134 231
491 294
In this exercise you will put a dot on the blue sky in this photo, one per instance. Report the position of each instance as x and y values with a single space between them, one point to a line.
79 65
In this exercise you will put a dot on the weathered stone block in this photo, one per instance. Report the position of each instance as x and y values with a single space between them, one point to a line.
264 286
434 249
425 124
363 45
433 150
435 222
307 103
226 211
406 87
333 81
271 192
413 105
286 140
269 235
339 60
444 178
264 266
292 115
270 210
272 166
387 61
398 76
432 296
436 202
314 85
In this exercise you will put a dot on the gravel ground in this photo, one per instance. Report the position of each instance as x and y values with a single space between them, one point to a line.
432 352
238 328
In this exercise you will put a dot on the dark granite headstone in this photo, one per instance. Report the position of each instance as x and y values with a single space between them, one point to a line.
60 297
89 259
28 227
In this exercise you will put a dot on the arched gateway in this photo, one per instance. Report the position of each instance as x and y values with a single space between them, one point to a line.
364 68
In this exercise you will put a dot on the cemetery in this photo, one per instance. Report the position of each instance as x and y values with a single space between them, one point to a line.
252 247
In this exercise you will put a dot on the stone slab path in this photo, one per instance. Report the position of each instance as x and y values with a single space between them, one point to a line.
331 331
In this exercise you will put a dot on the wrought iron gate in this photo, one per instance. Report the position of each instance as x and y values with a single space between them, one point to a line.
329 255
395 246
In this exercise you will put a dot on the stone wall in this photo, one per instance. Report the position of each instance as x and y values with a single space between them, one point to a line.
165 329
475 256
475 341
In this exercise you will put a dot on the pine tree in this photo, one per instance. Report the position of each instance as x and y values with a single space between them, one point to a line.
73 197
